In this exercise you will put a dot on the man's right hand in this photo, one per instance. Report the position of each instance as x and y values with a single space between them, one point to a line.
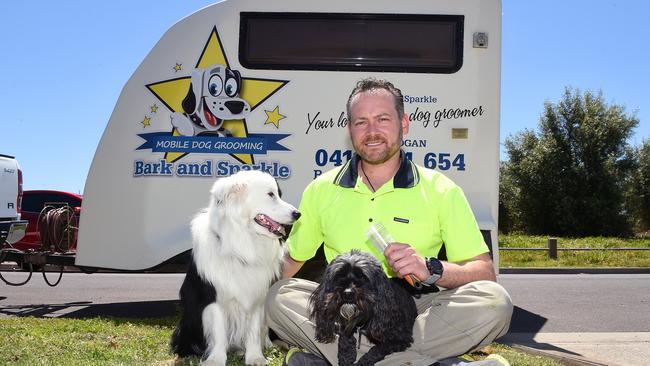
404 261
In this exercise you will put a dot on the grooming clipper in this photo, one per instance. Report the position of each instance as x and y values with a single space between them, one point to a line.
381 238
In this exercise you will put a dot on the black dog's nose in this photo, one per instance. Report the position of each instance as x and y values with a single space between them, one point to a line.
348 294
234 106
295 215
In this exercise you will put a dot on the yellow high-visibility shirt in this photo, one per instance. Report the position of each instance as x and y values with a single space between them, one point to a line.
419 206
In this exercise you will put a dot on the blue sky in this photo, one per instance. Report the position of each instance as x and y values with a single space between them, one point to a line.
64 64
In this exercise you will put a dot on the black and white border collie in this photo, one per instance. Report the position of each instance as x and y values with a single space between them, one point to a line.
237 254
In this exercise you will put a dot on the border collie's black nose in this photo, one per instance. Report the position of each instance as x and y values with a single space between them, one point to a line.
296 214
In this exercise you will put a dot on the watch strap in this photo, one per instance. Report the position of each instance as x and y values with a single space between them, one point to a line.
431 280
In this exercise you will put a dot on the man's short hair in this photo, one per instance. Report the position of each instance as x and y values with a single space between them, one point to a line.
373 84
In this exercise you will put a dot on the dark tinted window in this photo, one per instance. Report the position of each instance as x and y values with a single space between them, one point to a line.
35 201
352 42
32 202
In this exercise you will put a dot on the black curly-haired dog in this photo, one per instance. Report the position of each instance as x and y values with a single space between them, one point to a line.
355 295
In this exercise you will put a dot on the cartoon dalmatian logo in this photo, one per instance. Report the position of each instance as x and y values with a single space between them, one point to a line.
213 98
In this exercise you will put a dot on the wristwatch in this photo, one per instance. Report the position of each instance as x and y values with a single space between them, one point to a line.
435 270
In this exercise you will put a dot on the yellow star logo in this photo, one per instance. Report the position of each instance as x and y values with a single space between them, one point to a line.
178 67
254 90
146 122
153 108
274 117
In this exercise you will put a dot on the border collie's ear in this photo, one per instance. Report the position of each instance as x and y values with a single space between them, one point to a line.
226 189
193 98
237 189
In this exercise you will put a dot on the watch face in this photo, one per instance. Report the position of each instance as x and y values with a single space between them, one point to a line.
434 266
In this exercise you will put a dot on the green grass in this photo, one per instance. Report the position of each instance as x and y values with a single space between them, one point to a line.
96 341
110 341
600 258
34 341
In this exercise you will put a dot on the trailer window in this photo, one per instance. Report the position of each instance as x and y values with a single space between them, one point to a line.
351 42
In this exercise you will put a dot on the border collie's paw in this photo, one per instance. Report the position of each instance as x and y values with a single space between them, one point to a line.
212 363
256 361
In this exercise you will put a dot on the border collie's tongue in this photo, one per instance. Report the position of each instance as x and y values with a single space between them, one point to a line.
271 225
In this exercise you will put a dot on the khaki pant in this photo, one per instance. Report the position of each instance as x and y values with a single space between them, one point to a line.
450 322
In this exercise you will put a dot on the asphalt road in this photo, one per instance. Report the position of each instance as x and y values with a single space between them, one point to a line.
579 302
85 295
544 303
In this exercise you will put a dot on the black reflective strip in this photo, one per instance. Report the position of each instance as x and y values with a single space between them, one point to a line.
416 174
343 172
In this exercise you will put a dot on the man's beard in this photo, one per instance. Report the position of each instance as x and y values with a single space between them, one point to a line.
378 157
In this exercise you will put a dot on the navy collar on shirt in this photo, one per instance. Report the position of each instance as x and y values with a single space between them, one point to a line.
406 176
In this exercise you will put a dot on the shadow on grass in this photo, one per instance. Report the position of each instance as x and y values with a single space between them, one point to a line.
133 311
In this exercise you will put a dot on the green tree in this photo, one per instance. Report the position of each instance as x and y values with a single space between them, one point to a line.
569 176
639 196
507 193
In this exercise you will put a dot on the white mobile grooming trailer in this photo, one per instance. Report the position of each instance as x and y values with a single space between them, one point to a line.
246 84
